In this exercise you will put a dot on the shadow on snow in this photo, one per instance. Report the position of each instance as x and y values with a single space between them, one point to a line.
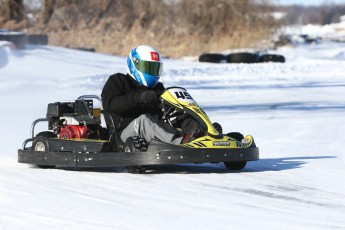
262 165
281 164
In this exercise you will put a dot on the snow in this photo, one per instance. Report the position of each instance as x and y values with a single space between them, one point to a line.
334 31
294 110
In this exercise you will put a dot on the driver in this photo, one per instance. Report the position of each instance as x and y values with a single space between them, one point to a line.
133 99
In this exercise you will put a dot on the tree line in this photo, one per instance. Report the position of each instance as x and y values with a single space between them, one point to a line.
322 15
183 27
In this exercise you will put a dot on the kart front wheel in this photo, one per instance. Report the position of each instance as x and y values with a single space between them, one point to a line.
237 165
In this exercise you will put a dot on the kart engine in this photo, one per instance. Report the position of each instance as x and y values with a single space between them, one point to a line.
74 120
73 131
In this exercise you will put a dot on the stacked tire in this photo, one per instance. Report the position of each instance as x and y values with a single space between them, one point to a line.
17 38
37 39
20 39
272 58
241 57
212 57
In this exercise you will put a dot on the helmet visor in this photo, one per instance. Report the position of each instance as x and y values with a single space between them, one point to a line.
149 67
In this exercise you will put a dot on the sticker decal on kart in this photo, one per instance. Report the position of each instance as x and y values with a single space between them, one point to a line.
221 143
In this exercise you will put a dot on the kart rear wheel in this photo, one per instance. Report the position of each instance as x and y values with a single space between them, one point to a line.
40 144
135 144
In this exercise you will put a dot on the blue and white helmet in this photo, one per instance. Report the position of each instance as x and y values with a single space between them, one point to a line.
144 65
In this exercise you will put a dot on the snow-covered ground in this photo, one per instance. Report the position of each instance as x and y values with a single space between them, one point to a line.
333 31
295 111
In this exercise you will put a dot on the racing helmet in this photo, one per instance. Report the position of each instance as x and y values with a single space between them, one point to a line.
144 65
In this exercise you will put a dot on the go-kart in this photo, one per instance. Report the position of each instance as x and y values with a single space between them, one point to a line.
83 135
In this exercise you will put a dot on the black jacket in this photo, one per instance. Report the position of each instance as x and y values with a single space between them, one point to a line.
121 97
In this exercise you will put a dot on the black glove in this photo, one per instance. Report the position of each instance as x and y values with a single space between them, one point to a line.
149 97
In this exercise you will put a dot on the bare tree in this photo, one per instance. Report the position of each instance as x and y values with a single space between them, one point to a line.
47 10
12 10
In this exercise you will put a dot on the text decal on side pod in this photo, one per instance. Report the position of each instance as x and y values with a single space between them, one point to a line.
221 143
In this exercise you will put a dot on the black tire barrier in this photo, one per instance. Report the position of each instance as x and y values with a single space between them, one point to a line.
310 40
37 39
212 57
272 58
242 57
17 38
83 49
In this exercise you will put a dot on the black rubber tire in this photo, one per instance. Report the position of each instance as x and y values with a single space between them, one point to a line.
218 127
37 39
84 49
135 144
272 58
17 38
40 144
138 169
235 165
213 58
236 135
242 57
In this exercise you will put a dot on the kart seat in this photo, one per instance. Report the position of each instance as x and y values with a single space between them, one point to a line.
114 136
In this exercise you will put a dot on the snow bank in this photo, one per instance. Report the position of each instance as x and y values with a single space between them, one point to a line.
334 31
5 49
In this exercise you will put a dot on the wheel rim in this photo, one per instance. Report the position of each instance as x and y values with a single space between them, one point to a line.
40 147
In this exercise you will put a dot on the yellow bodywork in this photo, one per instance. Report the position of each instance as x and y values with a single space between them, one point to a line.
181 100
220 143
